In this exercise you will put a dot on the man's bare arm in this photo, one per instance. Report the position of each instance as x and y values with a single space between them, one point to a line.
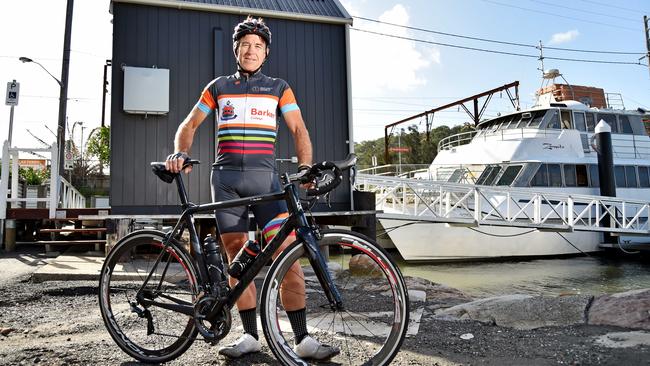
300 136
184 137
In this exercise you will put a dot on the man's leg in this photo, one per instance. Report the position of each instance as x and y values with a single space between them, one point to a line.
292 294
246 304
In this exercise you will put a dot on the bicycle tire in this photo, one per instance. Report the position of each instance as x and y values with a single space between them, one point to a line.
367 332
123 275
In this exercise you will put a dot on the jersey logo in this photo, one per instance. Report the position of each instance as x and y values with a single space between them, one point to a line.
228 112
258 113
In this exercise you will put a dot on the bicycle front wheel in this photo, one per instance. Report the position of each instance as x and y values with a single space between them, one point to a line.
142 269
370 328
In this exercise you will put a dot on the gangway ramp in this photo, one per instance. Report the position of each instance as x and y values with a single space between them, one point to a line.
474 205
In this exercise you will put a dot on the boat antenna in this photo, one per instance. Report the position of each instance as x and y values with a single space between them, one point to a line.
541 57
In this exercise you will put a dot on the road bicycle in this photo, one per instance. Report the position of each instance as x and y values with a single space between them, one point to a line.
156 297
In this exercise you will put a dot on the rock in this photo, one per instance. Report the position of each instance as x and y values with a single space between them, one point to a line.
417 296
624 339
521 311
437 295
5 331
362 265
629 309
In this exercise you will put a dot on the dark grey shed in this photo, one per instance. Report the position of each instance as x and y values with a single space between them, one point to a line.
192 39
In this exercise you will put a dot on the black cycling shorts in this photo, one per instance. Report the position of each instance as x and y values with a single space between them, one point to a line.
233 184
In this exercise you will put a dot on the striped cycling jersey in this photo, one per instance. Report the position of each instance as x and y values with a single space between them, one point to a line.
247 118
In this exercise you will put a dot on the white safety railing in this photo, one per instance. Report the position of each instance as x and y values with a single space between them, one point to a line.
71 198
473 205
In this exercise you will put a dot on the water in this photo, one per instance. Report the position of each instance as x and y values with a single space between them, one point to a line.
585 275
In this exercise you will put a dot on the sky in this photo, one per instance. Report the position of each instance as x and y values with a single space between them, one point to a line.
392 78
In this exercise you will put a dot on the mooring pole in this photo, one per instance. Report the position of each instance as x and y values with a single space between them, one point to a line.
603 140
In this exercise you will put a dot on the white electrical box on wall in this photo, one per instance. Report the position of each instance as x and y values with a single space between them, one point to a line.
146 90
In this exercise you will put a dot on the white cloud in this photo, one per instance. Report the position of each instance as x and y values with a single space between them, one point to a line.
382 64
565 37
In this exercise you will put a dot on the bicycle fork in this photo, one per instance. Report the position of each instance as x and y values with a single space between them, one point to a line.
316 259
320 267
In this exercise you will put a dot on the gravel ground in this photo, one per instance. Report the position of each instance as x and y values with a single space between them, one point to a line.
58 323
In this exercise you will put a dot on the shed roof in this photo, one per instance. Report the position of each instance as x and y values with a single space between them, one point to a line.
326 11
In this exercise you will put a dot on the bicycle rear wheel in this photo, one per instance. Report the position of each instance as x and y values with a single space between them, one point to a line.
371 327
141 268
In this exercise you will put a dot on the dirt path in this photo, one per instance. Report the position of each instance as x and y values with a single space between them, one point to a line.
58 323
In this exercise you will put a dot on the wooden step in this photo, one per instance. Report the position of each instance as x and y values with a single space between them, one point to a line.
83 230
64 242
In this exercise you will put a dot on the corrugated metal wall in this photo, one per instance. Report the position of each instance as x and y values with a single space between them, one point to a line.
196 47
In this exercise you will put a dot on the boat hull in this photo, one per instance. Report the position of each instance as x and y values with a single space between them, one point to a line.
428 241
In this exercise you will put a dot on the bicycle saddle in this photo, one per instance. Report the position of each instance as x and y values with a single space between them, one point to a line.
165 175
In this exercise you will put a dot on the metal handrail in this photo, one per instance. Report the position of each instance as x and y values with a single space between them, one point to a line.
474 205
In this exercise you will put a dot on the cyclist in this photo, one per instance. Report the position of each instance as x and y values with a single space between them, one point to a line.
248 104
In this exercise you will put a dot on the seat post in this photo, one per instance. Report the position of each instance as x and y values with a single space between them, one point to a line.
182 193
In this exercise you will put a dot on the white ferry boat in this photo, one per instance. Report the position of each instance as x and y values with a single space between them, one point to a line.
546 148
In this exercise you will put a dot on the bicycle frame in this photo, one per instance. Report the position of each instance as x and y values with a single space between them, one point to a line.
296 221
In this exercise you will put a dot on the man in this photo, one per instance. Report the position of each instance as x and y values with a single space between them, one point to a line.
248 104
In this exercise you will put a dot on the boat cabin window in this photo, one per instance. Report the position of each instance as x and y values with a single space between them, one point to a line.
575 175
610 119
548 175
540 179
625 125
570 179
644 178
594 177
579 121
554 175
554 121
488 175
591 122
538 116
509 175
619 174
456 176
516 120
566 119
630 176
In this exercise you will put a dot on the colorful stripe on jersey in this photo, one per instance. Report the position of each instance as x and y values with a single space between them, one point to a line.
288 102
273 227
206 103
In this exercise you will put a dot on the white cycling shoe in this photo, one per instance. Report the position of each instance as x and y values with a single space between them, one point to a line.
309 348
244 345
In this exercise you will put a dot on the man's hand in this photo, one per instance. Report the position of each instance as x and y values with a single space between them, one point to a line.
303 169
174 162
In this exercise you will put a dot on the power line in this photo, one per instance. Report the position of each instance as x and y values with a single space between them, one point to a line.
584 11
447 34
559 15
500 52
445 44
612 6
496 41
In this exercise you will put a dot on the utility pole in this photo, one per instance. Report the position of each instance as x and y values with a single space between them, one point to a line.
647 39
104 90
541 57
63 97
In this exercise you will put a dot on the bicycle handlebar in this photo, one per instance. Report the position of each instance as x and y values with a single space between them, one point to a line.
325 175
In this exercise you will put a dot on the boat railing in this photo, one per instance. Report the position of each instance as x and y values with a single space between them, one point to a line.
625 146
474 205
458 139
396 170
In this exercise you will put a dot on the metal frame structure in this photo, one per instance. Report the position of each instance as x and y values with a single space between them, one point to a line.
476 116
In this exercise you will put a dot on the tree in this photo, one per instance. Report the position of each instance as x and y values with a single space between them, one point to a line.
98 145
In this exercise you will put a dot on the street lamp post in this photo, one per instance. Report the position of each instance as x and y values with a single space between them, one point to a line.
63 83
63 99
